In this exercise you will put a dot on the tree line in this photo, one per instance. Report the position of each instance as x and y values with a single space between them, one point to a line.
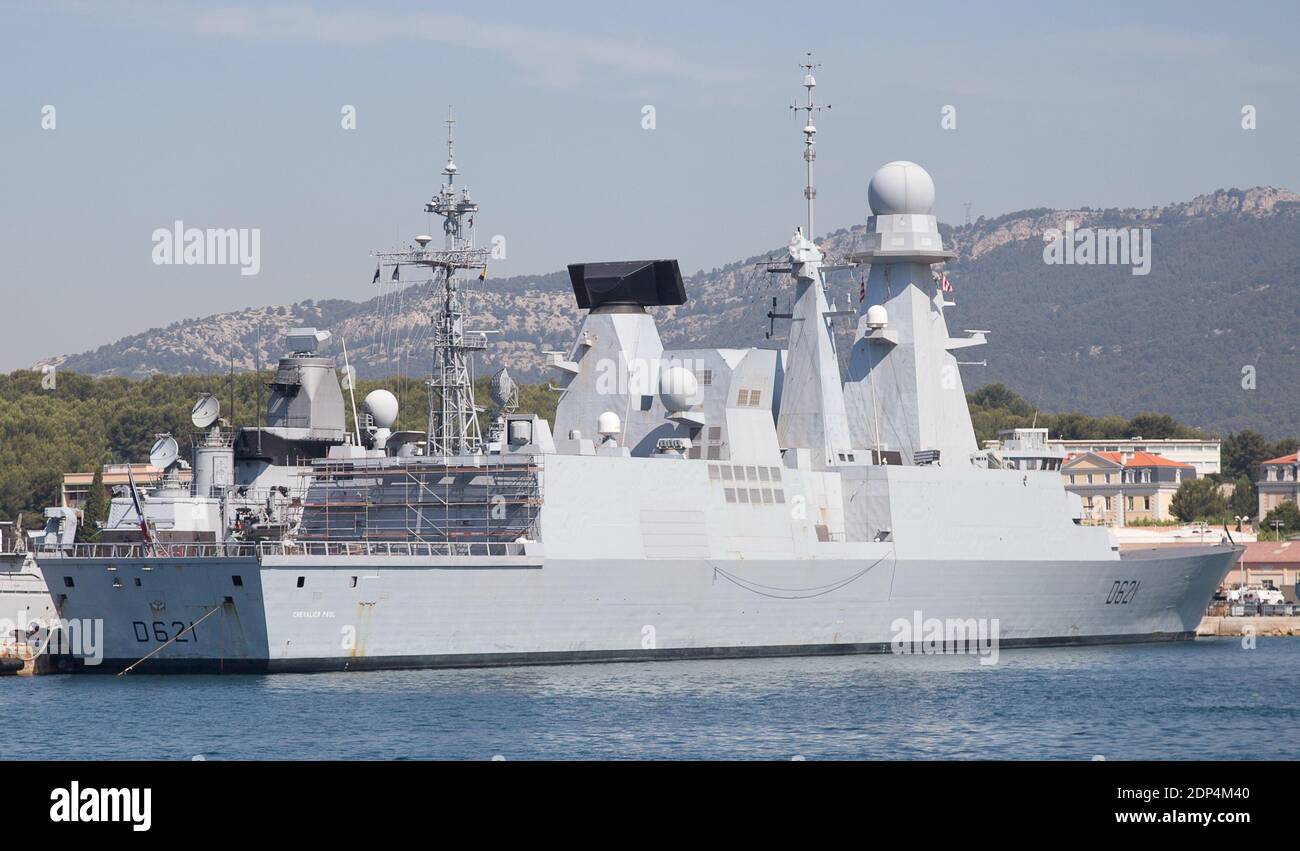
83 422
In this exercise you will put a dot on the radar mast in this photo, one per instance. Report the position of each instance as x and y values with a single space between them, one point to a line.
453 427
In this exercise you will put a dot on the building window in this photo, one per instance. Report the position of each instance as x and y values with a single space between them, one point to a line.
237 581
302 580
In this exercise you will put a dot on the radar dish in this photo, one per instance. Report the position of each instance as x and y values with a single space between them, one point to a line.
165 452
502 389
205 411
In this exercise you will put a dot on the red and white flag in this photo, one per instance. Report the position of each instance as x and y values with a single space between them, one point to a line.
943 282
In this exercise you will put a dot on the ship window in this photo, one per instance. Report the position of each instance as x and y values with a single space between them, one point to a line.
354 582
730 493
753 474
740 473
302 580
743 494
780 496
694 451
742 399
647 402
137 582
763 474
726 472
715 453
715 433
706 377
755 495
755 398
767 495
238 581
67 582
776 474
714 473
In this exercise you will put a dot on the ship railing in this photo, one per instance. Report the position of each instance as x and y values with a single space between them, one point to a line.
408 549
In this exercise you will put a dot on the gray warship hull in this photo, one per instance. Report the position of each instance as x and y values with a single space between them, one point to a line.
431 612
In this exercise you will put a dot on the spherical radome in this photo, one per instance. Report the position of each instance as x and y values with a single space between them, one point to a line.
900 187
381 405
677 388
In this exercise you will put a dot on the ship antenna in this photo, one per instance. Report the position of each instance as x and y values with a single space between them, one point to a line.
453 415
809 107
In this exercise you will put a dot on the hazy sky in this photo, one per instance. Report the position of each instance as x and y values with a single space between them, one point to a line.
224 114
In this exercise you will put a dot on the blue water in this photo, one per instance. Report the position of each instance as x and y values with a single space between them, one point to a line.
1205 699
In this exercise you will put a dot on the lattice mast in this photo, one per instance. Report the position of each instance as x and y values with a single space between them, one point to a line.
453 427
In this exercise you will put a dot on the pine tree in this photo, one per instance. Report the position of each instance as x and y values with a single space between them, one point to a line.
95 511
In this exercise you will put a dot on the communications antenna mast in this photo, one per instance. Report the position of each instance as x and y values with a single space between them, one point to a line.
453 427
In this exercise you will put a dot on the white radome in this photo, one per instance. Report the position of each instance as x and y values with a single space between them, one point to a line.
381 405
608 424
877 316
678 387
900 187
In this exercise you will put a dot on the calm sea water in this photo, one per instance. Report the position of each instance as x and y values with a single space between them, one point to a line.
1205 699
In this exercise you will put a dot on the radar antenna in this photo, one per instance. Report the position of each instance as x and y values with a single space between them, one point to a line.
453 427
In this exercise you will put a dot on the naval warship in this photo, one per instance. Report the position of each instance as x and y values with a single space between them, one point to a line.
684 504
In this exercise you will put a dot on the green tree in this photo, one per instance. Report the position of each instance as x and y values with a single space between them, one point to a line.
1157 427
1245 498
1242 454
95 511
1287 515
1199 499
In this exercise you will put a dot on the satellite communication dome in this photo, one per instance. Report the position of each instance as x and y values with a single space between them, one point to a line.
164 452
877 316
677 388
424 239
608 424
205 411
381 405
900 187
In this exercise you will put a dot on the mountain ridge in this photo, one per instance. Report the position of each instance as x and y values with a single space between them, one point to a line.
1003 284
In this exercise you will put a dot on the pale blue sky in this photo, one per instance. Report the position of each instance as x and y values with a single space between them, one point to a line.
227 114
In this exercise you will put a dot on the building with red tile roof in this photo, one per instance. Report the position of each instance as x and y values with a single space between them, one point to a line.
1117 488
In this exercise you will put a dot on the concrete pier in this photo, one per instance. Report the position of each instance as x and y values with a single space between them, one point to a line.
1259 626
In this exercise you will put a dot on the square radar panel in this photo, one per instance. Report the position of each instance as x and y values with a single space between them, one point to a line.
647 283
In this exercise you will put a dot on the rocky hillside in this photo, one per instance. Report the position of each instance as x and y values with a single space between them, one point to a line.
1223 295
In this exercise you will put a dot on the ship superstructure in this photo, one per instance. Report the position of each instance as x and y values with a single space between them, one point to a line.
686 503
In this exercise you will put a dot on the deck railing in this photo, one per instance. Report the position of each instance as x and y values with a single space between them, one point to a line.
406 549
